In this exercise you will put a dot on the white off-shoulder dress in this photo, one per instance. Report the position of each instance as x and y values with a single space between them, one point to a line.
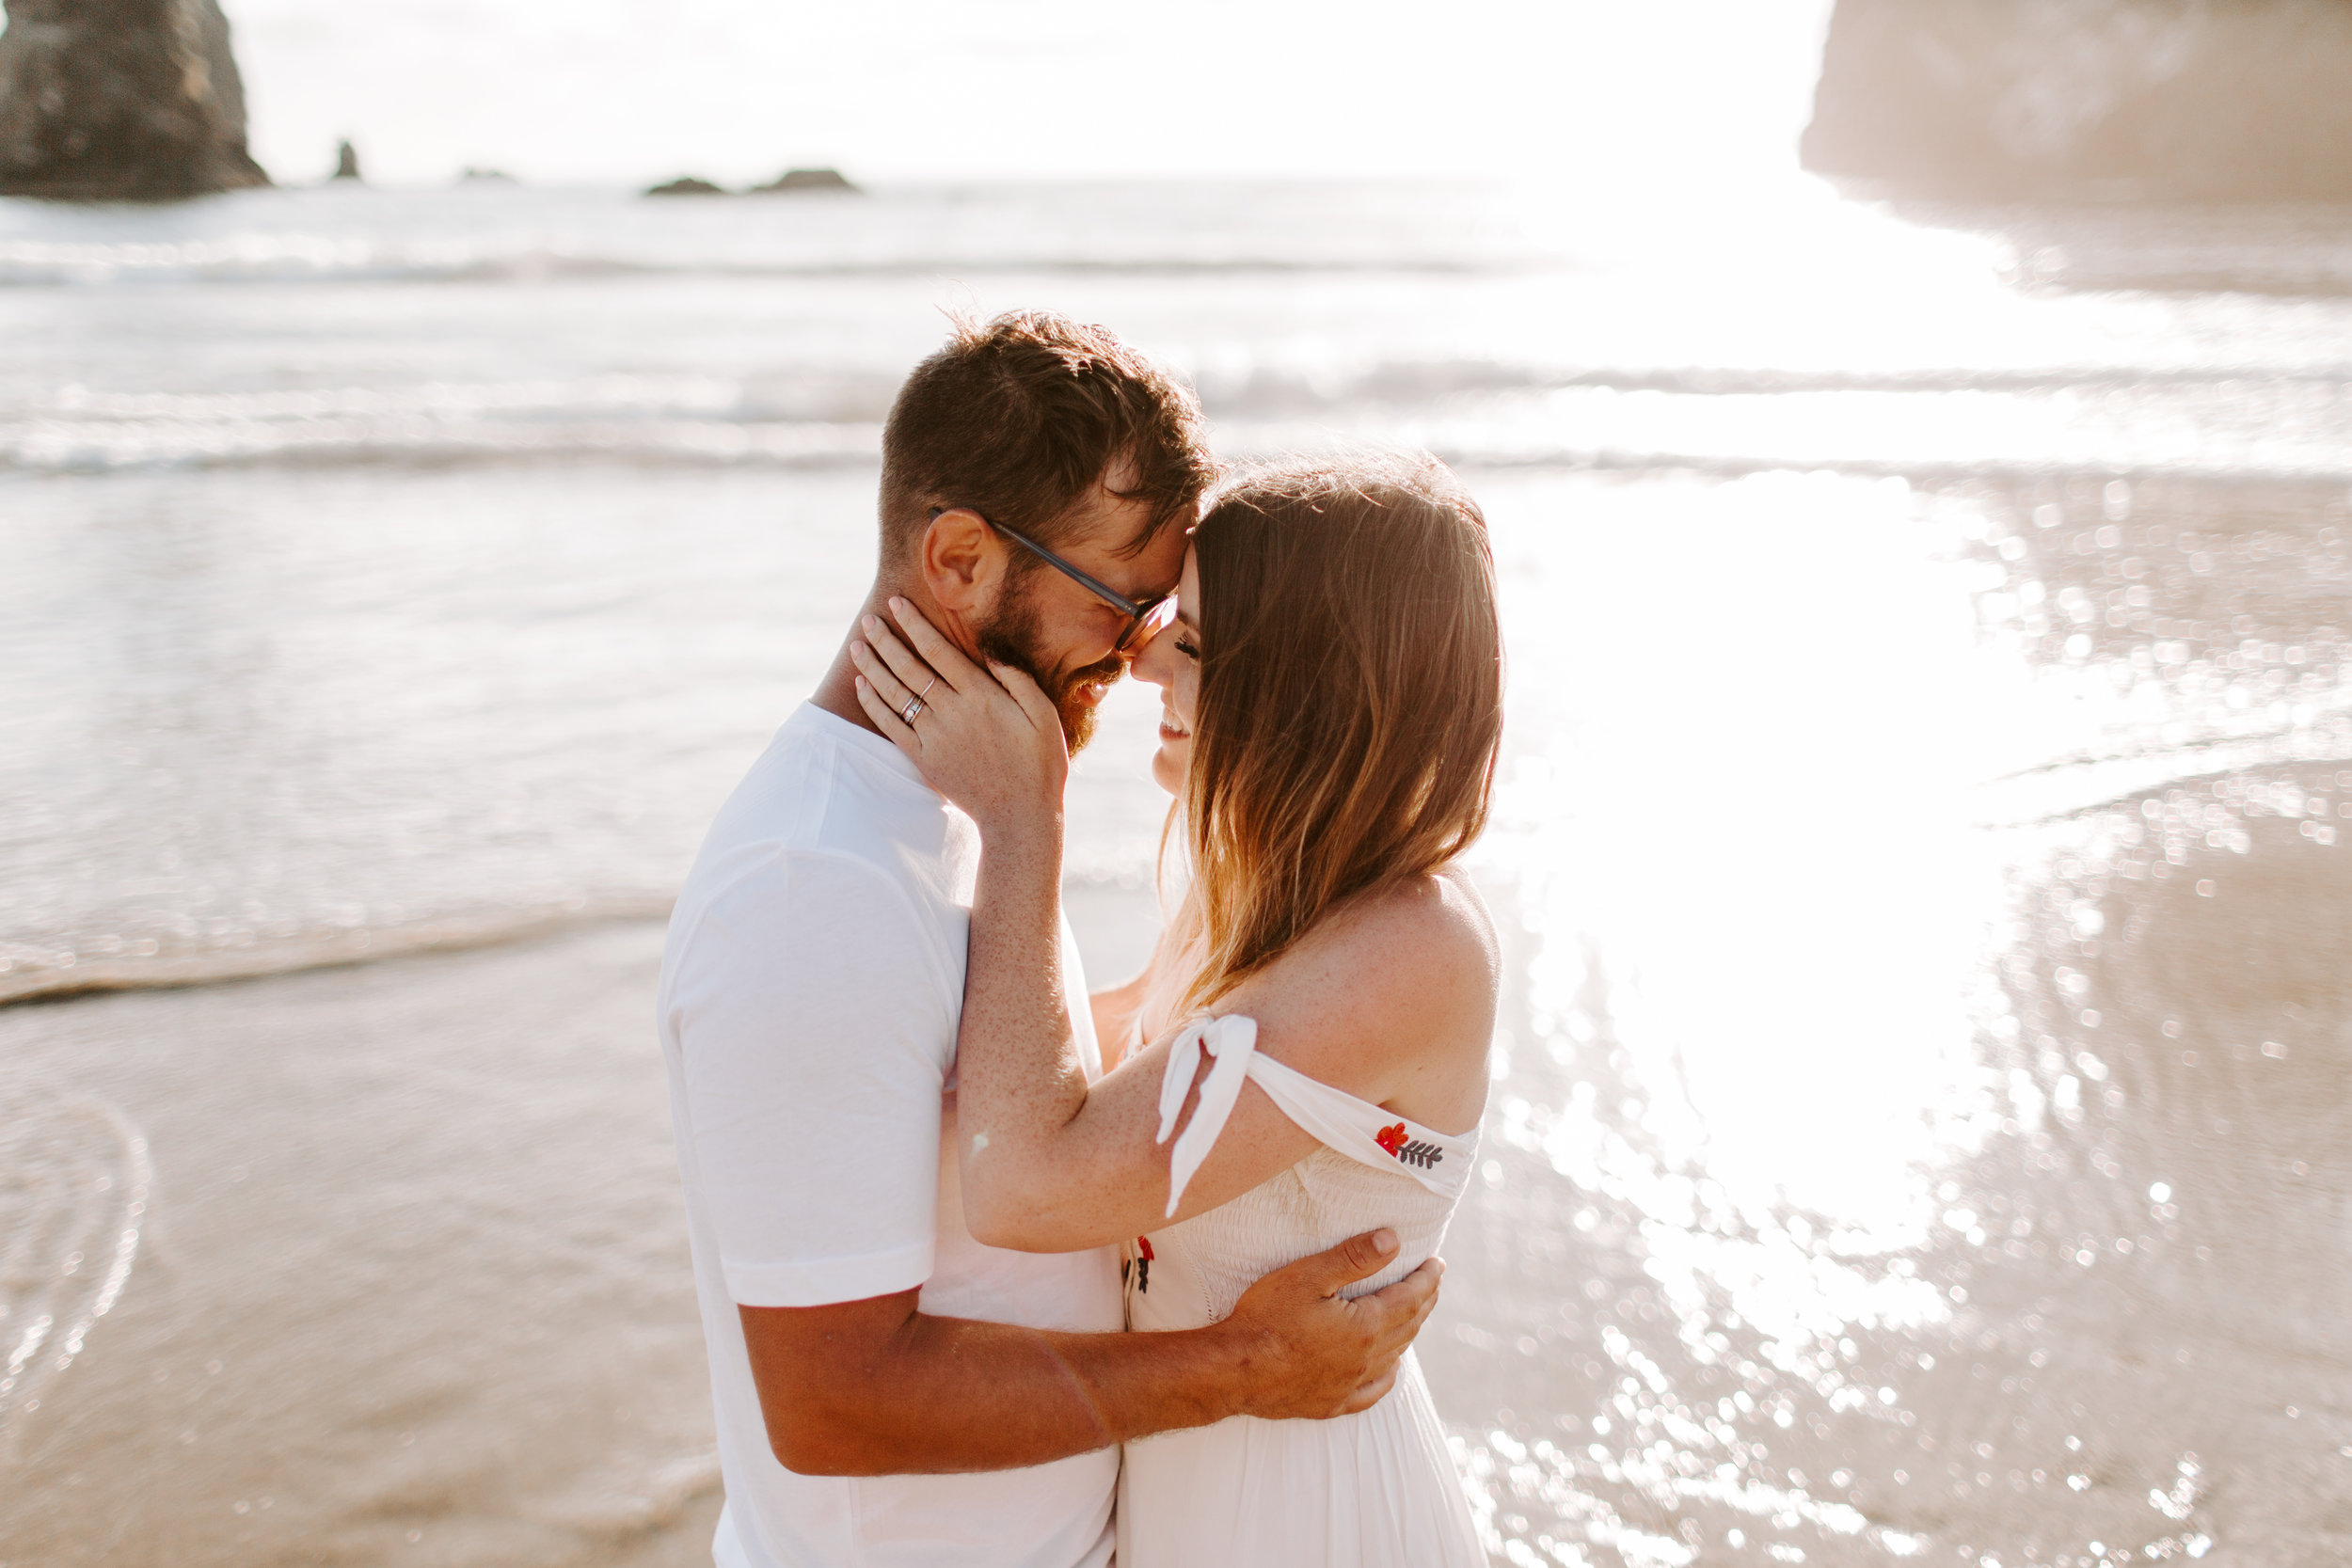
1373 1490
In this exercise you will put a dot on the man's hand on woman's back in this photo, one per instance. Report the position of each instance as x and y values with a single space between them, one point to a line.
1317 1355
878 1387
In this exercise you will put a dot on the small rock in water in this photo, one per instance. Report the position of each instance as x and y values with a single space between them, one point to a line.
347 161
686 185
807 179
486 177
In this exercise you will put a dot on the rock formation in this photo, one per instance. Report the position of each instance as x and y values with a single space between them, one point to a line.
120 99
807 179
347 161
2087 100
791 180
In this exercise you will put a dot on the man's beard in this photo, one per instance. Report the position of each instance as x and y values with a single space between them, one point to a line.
1011 638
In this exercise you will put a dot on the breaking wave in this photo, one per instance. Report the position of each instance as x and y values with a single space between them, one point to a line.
1924 424
321 259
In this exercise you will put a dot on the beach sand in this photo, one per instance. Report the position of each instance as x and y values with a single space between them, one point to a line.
347 1341
343 1341
412 1283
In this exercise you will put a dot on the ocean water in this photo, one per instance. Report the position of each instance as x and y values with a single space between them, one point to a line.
1919 1120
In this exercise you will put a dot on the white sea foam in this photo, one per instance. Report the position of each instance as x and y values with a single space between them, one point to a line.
75 1175
27 970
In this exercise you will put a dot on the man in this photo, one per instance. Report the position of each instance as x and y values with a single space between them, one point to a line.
867 1354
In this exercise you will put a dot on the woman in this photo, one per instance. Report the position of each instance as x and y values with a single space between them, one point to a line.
1307 1057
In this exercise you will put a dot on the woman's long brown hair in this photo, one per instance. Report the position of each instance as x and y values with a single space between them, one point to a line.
1350 705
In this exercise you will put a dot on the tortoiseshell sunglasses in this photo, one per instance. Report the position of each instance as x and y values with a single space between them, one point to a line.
1145 617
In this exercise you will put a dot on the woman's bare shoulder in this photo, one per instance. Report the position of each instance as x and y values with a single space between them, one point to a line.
1393 994
1431 929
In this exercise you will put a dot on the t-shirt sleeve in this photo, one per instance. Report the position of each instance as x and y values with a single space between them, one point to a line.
814 1034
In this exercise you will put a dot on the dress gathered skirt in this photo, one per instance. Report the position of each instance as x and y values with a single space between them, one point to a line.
1376 1489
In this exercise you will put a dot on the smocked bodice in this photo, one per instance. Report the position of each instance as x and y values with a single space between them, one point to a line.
1374 1168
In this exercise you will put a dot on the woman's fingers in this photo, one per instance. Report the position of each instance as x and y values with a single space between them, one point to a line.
916 675
1033 700
895 729
940 654
892 689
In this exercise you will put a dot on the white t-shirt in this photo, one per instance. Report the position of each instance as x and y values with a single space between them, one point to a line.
810 992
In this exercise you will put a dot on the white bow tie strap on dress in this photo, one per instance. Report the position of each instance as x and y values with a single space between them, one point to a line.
1337 1119
1374 1489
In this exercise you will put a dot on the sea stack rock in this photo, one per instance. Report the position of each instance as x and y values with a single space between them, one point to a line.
686 185
121 100
2168 100
347 161
812 180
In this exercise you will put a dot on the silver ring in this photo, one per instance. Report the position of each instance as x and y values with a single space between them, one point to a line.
914 705
926 690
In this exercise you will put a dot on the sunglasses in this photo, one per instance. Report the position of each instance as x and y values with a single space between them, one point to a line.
1146 618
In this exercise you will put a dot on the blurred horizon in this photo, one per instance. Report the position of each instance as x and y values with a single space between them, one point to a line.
1693 92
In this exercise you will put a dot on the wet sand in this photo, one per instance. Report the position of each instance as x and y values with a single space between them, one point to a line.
413 1284
1917 1131
2077 1297
410 1282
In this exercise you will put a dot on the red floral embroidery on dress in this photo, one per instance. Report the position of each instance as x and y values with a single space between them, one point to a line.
1139 1269
1412 1152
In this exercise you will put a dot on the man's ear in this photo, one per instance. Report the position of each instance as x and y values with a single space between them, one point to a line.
962 560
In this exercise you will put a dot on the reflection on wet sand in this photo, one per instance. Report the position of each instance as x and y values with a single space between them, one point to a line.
2051 1266
341 1341
74 1175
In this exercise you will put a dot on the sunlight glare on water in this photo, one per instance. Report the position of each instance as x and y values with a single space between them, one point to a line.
1919 1115
1798 716
1767 1119
1762 1114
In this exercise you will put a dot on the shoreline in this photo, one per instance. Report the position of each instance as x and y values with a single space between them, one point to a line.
1103 896
410 1271
461 1317
302 954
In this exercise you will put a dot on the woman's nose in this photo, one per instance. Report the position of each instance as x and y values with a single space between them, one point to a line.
1153 663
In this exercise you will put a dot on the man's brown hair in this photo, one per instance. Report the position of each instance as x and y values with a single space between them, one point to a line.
1019 418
